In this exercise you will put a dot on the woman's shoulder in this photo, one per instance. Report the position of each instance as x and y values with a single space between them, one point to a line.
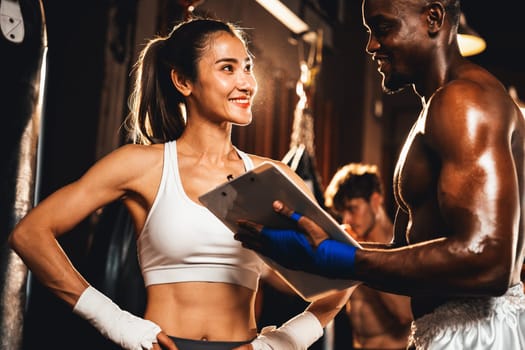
124 168
258 160
139 151
134 157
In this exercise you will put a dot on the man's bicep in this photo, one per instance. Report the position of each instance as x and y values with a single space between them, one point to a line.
476 169
475 188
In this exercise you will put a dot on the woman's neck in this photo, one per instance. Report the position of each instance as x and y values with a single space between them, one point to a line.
207 138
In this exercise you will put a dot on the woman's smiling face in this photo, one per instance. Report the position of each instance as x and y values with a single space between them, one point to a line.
225 84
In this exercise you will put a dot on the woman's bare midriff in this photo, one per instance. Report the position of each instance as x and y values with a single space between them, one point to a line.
203 310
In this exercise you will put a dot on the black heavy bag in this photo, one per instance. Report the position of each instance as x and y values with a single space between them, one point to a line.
23 46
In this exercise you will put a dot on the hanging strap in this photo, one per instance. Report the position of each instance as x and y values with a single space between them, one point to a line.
294 155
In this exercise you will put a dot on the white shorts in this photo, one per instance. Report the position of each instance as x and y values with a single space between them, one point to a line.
480 323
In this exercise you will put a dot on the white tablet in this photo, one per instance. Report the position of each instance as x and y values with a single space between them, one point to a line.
250 197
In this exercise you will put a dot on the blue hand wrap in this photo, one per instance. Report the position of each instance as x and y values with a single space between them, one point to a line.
335 259
292 250
295 216
288 248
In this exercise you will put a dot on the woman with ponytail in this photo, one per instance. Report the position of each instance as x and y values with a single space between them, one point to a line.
190 88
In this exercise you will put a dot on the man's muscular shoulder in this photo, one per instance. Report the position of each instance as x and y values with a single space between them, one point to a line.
464 110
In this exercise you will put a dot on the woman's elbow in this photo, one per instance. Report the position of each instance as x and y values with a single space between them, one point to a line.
21 238
17 239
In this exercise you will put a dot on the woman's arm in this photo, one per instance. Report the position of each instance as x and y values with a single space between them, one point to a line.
301 331
326 308
34 239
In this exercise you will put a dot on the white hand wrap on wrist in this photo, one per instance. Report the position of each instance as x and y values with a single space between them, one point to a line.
297 333
127 330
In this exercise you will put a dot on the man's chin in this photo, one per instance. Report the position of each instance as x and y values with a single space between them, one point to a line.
392 89
394 83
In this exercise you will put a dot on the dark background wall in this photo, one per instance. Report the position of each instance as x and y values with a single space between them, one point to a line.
78 41
501 26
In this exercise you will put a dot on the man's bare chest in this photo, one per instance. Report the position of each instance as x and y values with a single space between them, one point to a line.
414 171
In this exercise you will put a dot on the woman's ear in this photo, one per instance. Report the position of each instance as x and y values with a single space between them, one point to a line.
435 17
181 83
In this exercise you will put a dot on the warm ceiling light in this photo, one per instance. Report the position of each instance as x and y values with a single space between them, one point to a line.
469 41
285 15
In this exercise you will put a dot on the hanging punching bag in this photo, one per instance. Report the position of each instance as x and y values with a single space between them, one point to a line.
23 46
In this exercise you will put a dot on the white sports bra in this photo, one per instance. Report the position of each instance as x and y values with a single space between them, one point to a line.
182 241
